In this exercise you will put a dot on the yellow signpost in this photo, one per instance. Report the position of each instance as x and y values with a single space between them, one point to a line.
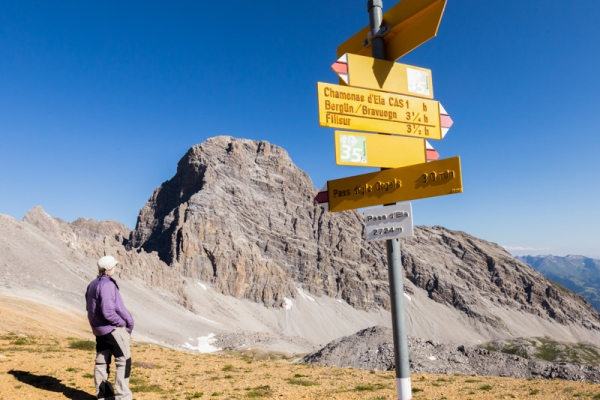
383 151
383 105
436 178
411 23
388 76
372 111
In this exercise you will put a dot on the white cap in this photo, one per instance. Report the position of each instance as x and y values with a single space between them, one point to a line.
107 263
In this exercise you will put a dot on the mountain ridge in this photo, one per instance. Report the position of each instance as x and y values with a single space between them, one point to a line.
234 243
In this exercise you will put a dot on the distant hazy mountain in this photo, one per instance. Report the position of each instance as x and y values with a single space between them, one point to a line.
577 273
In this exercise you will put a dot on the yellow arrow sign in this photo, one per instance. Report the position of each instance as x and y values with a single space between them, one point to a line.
435 178
411 23
373 111
383 151
388 76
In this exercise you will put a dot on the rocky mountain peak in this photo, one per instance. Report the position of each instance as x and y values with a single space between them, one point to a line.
240 215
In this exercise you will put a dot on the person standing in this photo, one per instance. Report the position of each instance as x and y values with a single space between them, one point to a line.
112 325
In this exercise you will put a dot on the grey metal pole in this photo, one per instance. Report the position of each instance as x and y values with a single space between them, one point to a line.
394 255
375 9
394 252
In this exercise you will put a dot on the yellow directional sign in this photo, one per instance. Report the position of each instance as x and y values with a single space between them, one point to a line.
436 178
388 76
411 23
372 111
383 151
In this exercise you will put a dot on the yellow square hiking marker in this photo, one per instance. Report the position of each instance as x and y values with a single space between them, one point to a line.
373 111
373 150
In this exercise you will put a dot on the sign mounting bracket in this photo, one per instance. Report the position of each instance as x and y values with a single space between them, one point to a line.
381 32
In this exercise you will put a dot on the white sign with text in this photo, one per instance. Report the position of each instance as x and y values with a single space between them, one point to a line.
389 222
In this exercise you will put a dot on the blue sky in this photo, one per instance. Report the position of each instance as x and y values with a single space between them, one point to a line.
98 102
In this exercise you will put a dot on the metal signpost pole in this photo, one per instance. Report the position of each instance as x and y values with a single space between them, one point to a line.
398 319
394 253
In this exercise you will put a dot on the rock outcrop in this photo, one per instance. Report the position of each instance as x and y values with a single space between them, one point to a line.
372 348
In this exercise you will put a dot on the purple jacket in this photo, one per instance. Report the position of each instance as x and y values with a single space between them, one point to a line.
105 307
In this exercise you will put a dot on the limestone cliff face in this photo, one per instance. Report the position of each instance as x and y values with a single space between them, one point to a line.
240 215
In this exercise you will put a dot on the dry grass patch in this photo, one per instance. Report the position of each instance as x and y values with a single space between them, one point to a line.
160 373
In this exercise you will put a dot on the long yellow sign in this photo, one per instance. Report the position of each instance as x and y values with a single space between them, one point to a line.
388 76
383 151
372 111
411 22
436 178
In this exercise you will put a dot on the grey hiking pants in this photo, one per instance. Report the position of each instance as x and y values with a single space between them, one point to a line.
114 344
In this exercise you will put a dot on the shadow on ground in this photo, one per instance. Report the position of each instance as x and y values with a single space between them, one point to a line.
50 384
